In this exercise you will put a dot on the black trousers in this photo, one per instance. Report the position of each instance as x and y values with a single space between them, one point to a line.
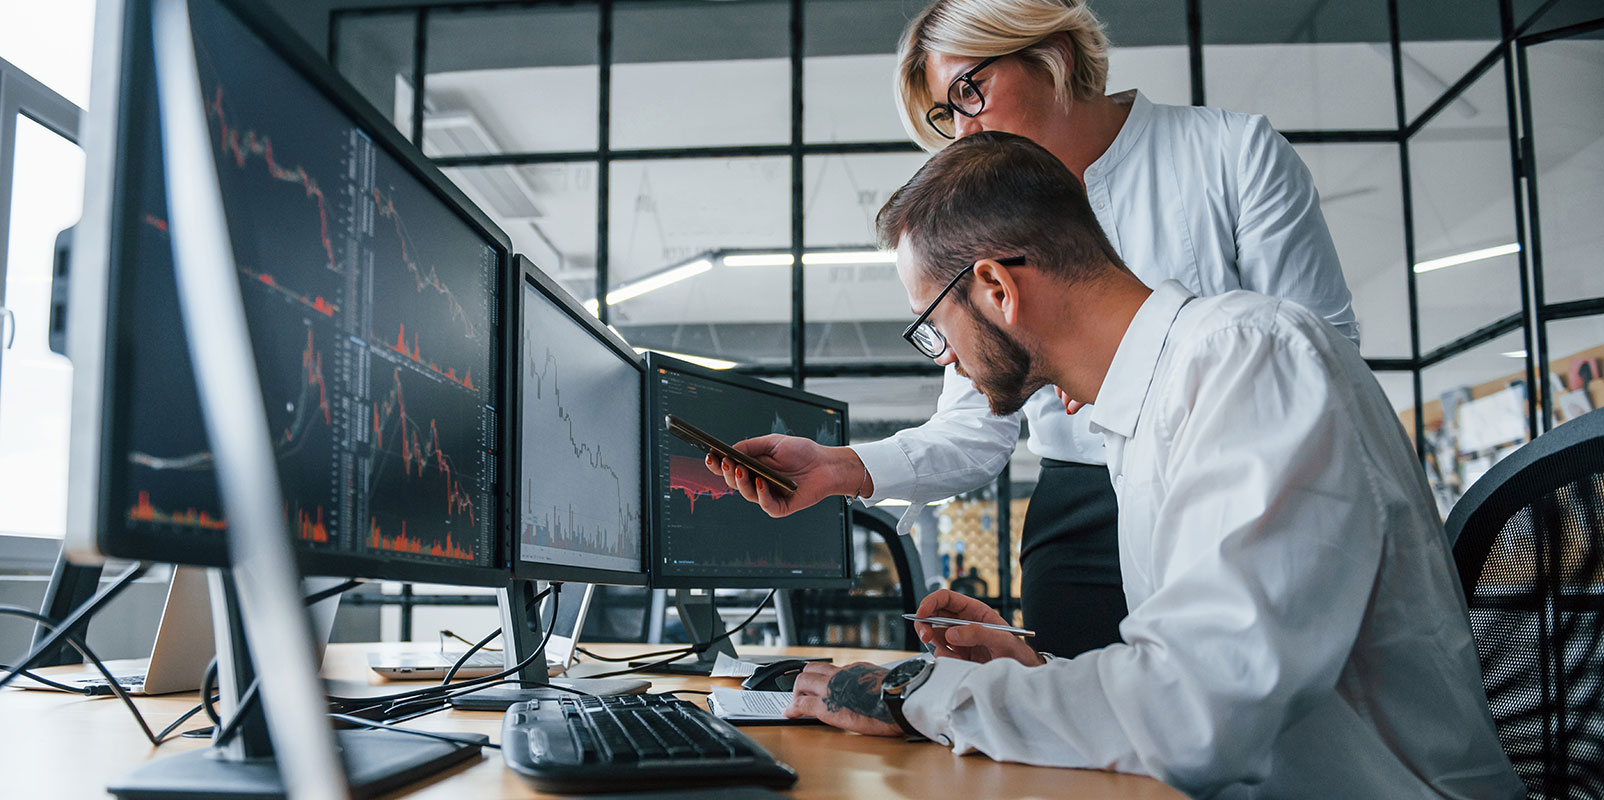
1069 557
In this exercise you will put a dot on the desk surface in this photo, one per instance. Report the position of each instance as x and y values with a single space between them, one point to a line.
56 745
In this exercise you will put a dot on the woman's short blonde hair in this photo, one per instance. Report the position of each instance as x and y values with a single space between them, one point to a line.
984 28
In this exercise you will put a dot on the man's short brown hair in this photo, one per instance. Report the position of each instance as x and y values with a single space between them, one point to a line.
996 195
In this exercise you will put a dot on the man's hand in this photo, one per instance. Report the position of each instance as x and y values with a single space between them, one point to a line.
970 642
846 697
818 471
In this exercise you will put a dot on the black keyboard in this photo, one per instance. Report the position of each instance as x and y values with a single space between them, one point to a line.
575 744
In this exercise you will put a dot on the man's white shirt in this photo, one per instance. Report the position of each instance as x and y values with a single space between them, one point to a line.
1296 625
1213 199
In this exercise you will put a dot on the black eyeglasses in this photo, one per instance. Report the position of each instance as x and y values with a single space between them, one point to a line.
963 97
922 335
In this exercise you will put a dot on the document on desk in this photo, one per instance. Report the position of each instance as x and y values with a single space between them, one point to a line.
727 667
745 707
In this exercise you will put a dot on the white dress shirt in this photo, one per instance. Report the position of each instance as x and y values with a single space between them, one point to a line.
1214 199
1297 629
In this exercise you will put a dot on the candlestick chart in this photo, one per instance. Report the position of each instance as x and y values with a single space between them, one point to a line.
369 303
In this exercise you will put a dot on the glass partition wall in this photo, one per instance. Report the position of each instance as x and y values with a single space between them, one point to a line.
707 174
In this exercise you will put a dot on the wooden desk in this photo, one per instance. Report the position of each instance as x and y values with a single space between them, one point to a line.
64 746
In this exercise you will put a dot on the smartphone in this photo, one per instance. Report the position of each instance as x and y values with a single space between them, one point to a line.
708 443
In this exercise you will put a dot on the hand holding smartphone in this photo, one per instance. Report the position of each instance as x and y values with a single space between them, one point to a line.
708 443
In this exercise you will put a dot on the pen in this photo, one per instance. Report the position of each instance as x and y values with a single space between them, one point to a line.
948 622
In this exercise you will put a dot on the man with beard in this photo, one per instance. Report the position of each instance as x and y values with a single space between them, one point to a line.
1296 626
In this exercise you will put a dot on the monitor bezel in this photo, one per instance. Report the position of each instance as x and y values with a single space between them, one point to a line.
534 278
656 440
100 318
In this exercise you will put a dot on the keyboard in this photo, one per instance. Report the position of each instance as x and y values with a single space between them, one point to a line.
621 742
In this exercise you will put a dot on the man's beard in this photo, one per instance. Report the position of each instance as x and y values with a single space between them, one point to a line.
1010 377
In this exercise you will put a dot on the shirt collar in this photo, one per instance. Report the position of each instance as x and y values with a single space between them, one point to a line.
1129 134
1130 374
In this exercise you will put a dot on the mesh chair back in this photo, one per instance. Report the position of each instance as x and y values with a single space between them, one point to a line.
1529 543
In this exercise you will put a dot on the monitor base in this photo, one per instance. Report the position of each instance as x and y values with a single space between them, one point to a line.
377 761
499 698
688 667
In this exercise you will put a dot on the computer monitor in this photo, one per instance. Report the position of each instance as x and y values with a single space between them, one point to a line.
581 488
704 534
374 293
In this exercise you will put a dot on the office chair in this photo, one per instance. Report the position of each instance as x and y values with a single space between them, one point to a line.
1528 540
816 609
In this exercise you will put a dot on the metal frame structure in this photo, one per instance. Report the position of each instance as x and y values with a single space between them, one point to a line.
1509 52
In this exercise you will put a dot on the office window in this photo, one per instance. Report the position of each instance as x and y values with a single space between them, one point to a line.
1440 40
856 304
1576 366
694 74
669 225
1306 64
883 406
375 53
1361 197
848 69
51 42
1568 147
35 383
523 80
1475 414
1464 211
549 210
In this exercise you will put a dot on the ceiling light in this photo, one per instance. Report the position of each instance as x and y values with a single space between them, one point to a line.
700 361
891 502
814 259
630 291
851 257
1466 258
1514 354
593 307
759 260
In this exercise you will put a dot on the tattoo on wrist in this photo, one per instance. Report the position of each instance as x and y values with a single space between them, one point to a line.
857 689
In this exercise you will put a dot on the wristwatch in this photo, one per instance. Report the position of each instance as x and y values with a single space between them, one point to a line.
899 684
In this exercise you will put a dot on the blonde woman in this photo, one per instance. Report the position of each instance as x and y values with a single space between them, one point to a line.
1213 199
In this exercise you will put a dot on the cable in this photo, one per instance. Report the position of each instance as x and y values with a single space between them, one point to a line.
100 666
693 649
208 682
620 659
366 723
445 634
37 678
77 618
437 688
463 659
319 596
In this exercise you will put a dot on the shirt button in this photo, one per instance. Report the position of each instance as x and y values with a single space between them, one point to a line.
1119 482
1099 205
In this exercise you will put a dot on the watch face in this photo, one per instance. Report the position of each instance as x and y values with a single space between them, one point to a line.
900 675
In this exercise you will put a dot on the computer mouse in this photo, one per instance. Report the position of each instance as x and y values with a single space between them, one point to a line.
779 676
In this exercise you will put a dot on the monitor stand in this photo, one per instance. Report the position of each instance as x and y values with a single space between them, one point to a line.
521 635
376 761
702 625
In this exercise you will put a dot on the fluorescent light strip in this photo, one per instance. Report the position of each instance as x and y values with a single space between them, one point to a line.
824 258
1466 258
629 291
1514 354
700 361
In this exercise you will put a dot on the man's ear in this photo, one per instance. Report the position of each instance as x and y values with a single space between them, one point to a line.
995 291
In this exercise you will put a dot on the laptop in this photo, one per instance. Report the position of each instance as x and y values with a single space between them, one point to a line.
561 648
184 645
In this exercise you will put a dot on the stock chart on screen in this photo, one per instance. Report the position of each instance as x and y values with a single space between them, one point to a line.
707 529
580 444
372 311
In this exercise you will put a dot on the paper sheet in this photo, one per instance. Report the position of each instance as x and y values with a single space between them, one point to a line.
744 704
726 667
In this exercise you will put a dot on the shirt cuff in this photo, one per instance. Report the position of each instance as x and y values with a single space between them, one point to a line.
893 474
929 708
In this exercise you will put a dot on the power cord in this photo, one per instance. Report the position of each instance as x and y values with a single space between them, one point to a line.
156 739
77 618
672 655
383 726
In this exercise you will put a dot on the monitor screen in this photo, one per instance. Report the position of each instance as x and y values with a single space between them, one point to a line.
704 533
372 293
580 485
